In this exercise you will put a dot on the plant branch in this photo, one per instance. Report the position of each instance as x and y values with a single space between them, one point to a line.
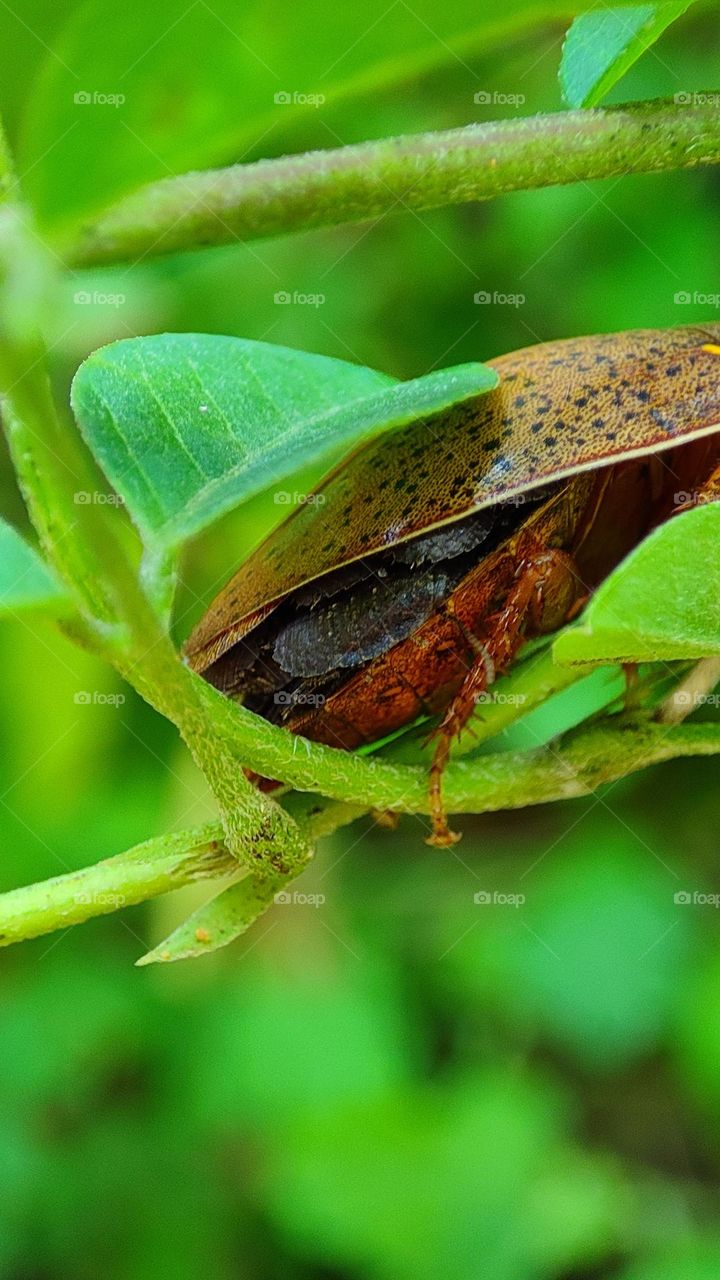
586 759
82 541
417 171
154 867
151 868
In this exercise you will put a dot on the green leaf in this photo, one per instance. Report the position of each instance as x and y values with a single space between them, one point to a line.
187 426
661 603
603 44
217 922
25 581
120 102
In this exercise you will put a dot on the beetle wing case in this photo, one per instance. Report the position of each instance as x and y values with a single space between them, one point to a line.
560 408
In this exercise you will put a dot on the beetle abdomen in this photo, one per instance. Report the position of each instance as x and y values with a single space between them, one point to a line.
357 628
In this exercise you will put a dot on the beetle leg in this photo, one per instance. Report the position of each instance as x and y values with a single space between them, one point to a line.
526 604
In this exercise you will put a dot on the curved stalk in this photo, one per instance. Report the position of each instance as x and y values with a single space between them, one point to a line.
417 171
586 759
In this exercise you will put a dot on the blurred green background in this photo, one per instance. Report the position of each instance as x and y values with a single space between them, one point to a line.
401 1082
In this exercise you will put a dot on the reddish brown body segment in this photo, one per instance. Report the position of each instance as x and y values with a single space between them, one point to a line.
618 425
420 675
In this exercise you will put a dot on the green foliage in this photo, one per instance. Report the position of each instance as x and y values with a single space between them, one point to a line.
603 44
187 426
218 922
360 1179
661 603
390 1076
25 582
80 154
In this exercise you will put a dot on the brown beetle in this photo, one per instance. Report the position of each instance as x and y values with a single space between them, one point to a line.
427 557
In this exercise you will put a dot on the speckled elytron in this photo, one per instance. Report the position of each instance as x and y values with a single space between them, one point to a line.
429 555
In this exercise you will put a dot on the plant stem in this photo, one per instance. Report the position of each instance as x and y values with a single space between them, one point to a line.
420 171
154 867
151 868
585 760
82 541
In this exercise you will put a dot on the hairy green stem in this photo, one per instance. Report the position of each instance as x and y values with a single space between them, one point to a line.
585 760
420 171
151 868
506 780
154 867
81 540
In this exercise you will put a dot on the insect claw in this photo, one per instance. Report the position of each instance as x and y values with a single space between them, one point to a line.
443 838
